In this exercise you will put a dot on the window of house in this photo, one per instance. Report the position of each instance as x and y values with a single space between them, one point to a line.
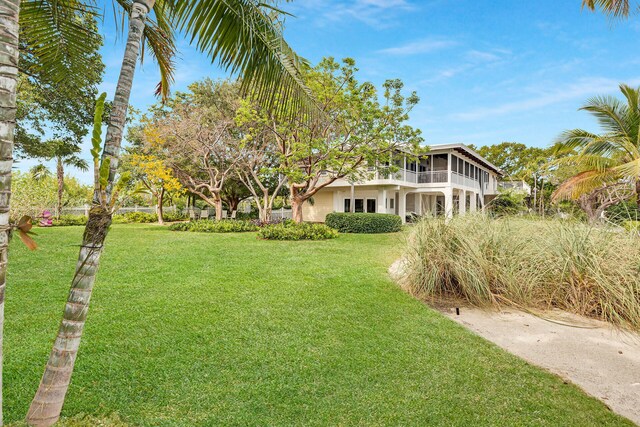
371 205
347 205
454 163
359 205
392 203
466 169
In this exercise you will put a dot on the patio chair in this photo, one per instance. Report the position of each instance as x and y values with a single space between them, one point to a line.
224 214
193 215
204 214
233 214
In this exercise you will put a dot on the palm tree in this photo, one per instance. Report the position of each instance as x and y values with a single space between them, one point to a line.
607 159
243 36
65 154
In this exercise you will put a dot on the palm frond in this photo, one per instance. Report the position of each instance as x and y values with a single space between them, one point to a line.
583 183
245 37
55 33
610 113
630 170
77 162
613 8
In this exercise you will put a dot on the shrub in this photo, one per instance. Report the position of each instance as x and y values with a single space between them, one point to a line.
508 202
526 263
247 216
66 220
135 217
207 226
174 216
623 211
364 222
291 231
633 226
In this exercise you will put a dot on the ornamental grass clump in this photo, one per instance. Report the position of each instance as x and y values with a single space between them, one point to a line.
533 264
207 226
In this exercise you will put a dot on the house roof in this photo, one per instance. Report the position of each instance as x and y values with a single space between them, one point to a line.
463 149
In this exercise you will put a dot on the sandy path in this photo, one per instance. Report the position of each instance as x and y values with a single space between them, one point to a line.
601 360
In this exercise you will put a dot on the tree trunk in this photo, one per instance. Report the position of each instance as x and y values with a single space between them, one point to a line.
638 193
265 211
60 173
217 203
159 207
9 12
296 210
47 404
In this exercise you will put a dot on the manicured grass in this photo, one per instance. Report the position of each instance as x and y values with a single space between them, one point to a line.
190 329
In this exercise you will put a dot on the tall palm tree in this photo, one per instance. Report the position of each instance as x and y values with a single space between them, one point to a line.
608 158
243 36
65 154
53 34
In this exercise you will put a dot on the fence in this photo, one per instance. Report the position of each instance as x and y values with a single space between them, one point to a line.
84 210
279 214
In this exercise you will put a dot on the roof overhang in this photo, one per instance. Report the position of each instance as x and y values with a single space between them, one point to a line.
466 151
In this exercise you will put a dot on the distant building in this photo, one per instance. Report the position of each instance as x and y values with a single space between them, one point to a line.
450 179
517 185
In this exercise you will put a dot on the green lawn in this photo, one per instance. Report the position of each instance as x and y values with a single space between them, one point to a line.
192 329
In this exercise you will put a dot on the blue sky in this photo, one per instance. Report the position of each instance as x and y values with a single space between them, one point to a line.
486 71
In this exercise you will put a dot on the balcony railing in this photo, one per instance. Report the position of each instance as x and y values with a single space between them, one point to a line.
430 177
458 178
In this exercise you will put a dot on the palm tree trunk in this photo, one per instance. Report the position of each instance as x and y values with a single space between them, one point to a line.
60 173
47 404
9 12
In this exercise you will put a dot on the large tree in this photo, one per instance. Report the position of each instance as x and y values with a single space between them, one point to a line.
259 160
198 135
608 158
354 131
245 37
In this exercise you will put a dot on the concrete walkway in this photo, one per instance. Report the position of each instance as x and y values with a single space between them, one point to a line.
603 361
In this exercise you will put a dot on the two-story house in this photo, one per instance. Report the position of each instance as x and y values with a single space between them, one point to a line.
450 179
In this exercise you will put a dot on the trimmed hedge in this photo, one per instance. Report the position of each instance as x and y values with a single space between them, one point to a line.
292 231
364 222
208 226
135 217
66 220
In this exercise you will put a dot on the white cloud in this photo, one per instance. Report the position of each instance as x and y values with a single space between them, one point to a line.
420 46
581 89
376 13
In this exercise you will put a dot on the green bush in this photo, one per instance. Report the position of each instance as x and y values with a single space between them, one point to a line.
247 216
207 226
66 220
135 217
623 211
632 226
364 222
174 216
292 231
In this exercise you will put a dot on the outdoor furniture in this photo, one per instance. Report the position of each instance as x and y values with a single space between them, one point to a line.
224 214
233 214
193 215
204 214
